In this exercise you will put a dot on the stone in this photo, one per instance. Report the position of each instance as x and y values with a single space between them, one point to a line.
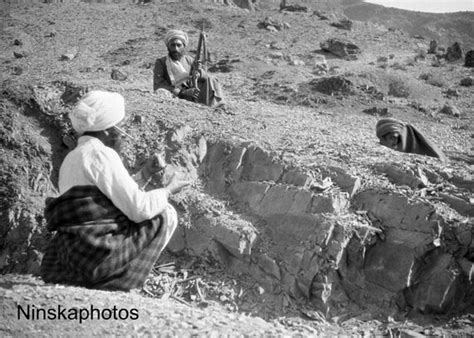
433 47
249 193
332 85
341 48
469 59
20 54
175 138
320 65
269 266
201 148
467 82
402 176
376 111
333 203
450 92
70 54
17 70
386 266
294 8
467 268
397 211
235 235
343 24
296 177
276 55
164 93
67 57
435 285
261 165
454 52
460 205
271 28
450 109
296 62
278 45
347 182
118 75
278 200
308 269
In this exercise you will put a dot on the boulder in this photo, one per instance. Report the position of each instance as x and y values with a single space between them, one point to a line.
467 82
118 75
469 59
332 85
341 48
454 52
70 54
294 8
435 285
20 54
376 111
450 109
433 47
343 24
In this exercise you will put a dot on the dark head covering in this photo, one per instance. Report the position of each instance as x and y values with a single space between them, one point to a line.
411 139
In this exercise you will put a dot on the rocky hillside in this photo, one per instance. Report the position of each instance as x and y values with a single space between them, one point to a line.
445 28
297 214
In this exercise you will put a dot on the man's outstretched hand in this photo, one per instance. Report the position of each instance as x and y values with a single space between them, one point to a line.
176 184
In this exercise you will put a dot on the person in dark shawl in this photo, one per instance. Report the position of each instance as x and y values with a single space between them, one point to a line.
173 73
108 231
406 138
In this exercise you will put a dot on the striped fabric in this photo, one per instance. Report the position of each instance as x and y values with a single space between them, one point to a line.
96 245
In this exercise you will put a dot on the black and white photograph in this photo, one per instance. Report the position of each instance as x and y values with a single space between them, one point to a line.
237 168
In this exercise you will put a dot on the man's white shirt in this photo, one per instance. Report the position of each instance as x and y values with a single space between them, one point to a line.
93 163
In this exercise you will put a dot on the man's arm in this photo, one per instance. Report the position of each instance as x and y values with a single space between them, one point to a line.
107 171
159 78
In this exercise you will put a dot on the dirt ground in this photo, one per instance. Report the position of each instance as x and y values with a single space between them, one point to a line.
270 79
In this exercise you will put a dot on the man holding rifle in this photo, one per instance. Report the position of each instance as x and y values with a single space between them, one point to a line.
184 76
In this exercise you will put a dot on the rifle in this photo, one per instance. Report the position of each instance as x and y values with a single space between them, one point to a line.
200 62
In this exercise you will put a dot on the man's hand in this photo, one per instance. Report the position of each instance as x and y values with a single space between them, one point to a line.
190 94
200 73
153 165
176 184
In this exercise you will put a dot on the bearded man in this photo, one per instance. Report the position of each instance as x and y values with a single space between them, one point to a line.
173 73
108 231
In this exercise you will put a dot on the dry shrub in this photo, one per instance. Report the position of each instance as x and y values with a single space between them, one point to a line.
399 66
433 80
398 88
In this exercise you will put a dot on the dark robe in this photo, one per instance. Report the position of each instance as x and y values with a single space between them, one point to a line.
411 139
96 245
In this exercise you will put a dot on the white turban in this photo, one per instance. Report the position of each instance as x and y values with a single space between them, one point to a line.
176 34
97 110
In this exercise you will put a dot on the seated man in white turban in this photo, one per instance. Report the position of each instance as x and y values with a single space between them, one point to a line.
174 71
108 231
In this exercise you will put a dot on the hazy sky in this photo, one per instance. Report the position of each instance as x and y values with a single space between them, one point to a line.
434 6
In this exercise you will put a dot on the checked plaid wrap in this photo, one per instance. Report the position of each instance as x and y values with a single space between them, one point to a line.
97 246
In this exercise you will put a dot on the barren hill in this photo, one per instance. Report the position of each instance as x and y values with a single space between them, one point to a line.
445 28
299 222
